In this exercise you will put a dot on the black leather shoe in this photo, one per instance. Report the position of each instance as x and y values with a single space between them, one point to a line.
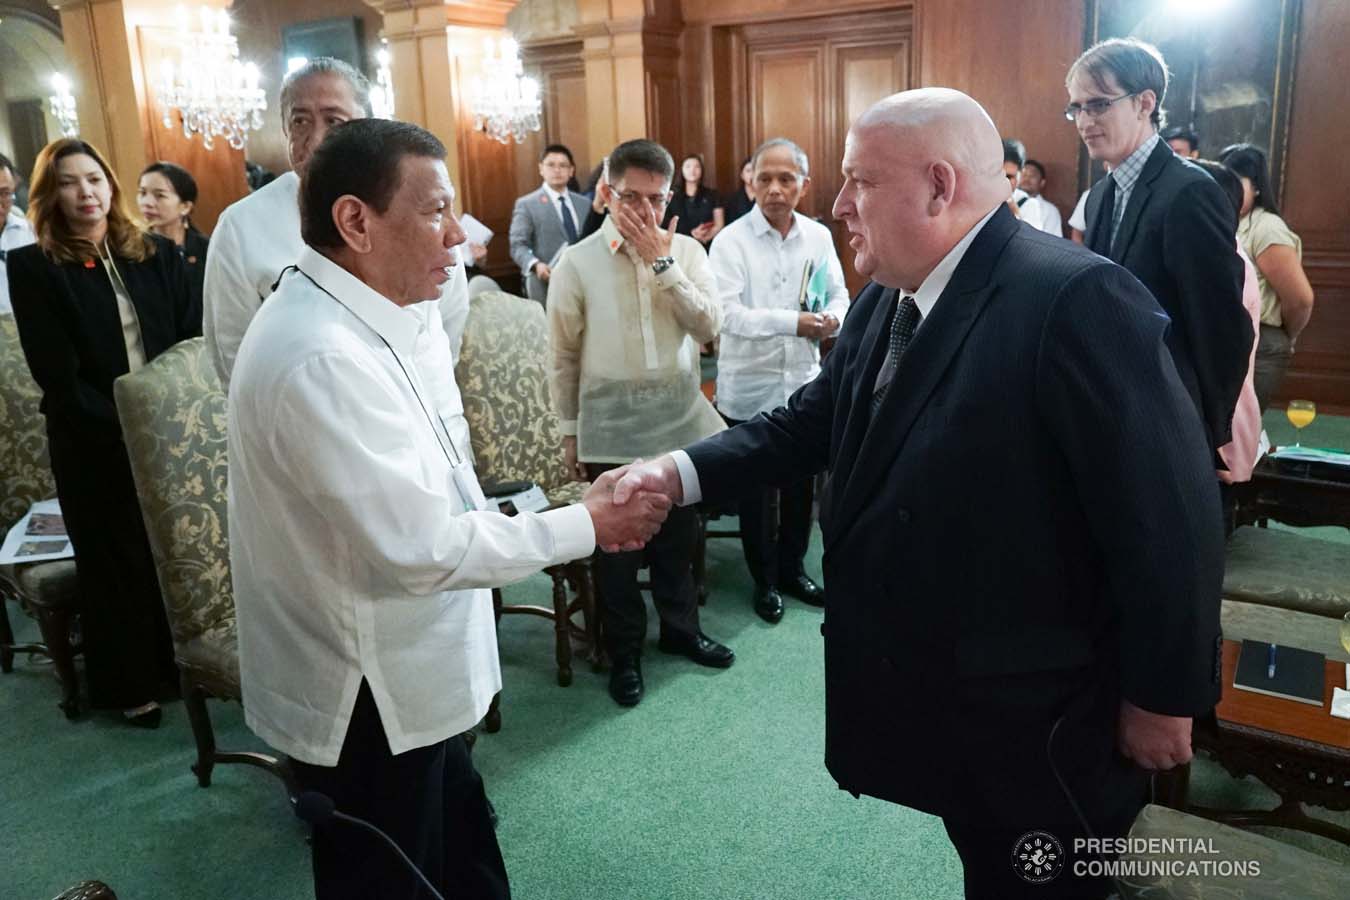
804 589
698 647
768 603
625 681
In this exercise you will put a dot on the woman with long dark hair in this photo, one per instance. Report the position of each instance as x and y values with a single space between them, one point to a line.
167 196
1286 295
97 297
740 201
698 206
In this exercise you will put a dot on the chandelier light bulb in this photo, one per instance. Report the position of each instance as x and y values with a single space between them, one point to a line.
505 102
214 92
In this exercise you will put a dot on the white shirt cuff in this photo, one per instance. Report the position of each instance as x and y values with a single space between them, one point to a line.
573 531
693 493
670 277
567 427
785 321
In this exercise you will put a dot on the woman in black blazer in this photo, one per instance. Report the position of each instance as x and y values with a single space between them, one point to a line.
94 298
166 198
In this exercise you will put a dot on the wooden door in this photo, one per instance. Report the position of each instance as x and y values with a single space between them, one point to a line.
808 79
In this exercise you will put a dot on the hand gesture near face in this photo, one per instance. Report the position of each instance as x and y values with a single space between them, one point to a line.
638 224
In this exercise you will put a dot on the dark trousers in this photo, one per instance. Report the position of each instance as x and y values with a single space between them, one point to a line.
429 800
670 554
776 529
1102 787
987 857
128 651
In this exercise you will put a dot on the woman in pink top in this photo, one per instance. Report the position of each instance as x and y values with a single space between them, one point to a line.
1239 454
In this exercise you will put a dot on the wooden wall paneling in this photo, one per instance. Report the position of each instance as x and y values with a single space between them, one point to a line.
665 93
788 98
1316 202
808 79
1013 62
1321 366
729 115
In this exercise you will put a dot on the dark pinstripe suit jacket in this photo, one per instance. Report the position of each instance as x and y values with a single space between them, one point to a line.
1030 528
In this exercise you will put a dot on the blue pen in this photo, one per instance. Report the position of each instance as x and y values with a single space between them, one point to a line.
1270 662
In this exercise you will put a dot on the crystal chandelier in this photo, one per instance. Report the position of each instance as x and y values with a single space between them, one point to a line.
61 103
214 93
505 102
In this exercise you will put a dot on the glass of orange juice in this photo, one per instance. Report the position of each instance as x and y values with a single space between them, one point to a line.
1300 413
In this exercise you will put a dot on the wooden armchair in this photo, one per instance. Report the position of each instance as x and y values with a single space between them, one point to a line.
173 417
503 377
45 590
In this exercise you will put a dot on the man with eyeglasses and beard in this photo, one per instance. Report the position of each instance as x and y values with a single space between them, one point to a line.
628 308
1166 221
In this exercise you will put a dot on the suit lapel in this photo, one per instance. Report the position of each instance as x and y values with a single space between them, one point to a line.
1092 211
1139 198
871 353
932 350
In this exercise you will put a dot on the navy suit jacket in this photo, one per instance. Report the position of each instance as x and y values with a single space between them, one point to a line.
1029 531
1177 236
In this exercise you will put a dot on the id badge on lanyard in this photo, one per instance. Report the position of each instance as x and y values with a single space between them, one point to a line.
467 485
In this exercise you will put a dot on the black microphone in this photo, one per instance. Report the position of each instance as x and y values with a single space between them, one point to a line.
319 809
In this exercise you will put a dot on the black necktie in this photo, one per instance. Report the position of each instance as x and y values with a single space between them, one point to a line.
569 224
1106 217
903 323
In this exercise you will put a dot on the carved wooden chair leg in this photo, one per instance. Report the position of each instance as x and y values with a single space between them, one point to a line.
562 629
590 616
492 722
6 637
194 700
55 627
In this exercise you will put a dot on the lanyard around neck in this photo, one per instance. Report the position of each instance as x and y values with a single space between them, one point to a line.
455 460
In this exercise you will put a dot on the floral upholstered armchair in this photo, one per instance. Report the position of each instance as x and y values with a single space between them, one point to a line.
173 419
45 590
503 376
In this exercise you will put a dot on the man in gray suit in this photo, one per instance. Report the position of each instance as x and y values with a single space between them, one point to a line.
546 219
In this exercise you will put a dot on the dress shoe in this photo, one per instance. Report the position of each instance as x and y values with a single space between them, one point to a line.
768 603
147 716
625 681
698 647
804 589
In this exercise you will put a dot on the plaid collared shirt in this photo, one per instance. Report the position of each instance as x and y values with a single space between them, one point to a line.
1125 176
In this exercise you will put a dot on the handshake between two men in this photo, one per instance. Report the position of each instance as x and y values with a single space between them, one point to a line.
629 504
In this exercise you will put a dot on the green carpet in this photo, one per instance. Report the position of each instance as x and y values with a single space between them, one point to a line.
713 787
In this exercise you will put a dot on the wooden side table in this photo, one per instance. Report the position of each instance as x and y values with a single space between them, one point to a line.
1297 750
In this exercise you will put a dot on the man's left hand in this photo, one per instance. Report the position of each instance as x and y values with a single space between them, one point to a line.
640 229
1154 741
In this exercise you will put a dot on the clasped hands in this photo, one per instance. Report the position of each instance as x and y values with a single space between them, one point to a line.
629 504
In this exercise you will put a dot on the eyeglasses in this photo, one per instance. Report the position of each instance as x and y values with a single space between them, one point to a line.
1094 108
6 196
630 197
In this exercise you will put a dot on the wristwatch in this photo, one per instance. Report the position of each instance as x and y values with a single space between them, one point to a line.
661 263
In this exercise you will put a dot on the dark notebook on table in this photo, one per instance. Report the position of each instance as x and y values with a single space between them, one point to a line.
1299 674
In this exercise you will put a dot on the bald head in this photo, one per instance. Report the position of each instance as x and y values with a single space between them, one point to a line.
943 125
921 168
